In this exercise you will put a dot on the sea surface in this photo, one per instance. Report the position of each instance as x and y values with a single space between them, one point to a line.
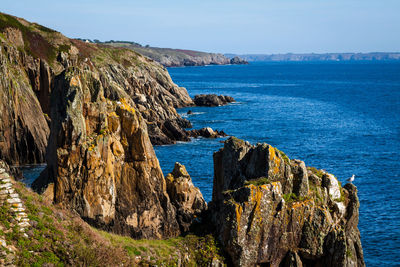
341 117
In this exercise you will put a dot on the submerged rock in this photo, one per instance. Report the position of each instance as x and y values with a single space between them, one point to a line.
267 211
212 100
186 198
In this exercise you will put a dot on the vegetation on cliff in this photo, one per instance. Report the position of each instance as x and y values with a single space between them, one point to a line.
60 237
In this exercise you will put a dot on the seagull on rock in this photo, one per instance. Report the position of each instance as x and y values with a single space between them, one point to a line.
351 179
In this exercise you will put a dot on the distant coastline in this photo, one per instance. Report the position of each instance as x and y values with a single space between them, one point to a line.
374 56
170 57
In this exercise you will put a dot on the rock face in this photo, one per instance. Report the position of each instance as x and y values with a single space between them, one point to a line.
212 100
238 61
269 210
186 198
101 160
23 126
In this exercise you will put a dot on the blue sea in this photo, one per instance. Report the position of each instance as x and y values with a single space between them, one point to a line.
341 117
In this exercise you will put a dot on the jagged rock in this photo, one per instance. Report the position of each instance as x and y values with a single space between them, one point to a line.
266 210
212 100
238 61
186 198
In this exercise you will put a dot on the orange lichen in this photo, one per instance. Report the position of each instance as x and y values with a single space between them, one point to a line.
74 81
239 211
275 159
276 186
125 106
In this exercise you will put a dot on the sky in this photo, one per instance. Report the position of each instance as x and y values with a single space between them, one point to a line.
234 26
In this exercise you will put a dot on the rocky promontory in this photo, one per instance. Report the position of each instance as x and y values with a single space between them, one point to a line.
212 100
169 57
273 211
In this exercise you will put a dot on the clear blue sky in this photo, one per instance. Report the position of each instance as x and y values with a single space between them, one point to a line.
237 26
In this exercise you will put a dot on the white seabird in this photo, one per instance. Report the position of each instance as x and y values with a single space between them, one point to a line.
351 179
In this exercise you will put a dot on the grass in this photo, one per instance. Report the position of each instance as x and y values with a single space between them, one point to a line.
349 254
292 197
258 181
315 171
66 239
284 156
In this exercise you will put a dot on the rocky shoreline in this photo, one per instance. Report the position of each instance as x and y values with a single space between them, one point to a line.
95 112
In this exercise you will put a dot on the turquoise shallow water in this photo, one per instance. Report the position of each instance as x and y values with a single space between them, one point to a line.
342 117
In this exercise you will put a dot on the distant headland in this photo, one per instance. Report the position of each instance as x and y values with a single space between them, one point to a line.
170 57
374 56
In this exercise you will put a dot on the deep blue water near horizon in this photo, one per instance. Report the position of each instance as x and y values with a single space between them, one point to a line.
341 117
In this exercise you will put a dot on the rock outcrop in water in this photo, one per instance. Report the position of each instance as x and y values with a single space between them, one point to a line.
238 61
212 100
186 198
206 132
273 211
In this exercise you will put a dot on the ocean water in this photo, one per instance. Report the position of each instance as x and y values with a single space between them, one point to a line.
341 117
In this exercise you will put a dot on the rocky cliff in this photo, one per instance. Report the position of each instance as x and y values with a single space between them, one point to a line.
23 126
102 105
33 56
269 210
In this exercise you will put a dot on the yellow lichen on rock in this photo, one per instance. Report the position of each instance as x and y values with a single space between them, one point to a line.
75 81
125 106
276 160
239 211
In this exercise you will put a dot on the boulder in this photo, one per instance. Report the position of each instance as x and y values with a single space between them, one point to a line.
212 100
186 198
